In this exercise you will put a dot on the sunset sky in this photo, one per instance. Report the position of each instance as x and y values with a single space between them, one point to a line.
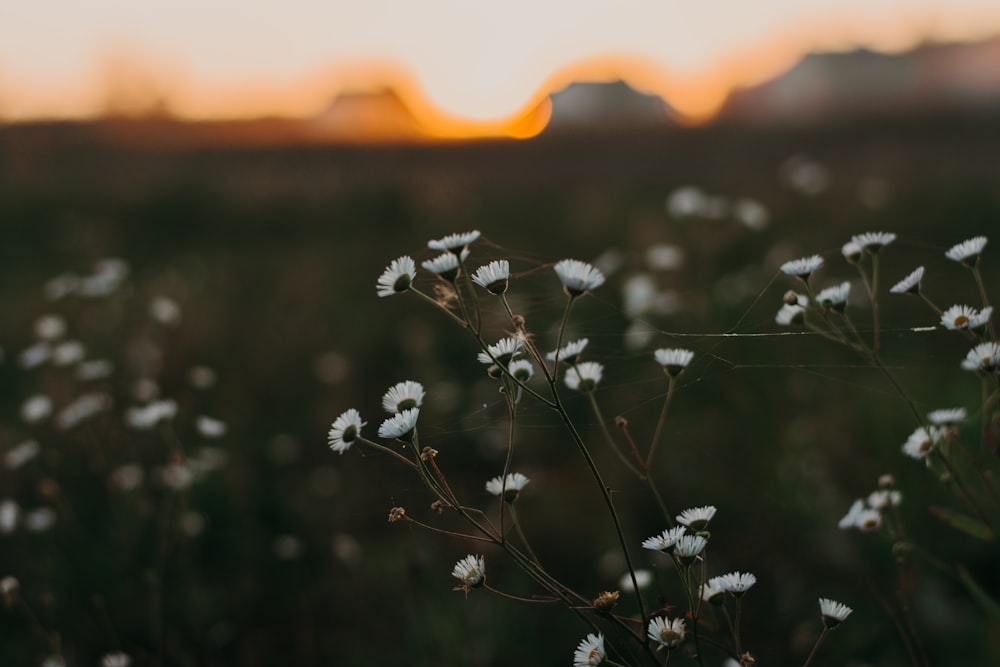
478 60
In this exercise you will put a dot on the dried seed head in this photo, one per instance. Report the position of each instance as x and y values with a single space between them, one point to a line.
606 601
437 507
428 453
791 298
396 514
621 422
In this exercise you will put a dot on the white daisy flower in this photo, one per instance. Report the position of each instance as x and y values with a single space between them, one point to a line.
578 277
696 518
493 277
17 456
851 252
910 284
883 498
834 297
922 442
872 242
833 613
673 360
503 351
981 319
471 571
789 315
802 267
82 408
958 317
68 352
521 369
509 489
569 352
642 577
50 327
850 520
35 409
397 277
148 416
668 634
869 520
712 591
446 266
666 540
590 652
689 547
967 252
345 430
737 583
400 424
947 417
983 357
584 376
403 396
118 659
454 242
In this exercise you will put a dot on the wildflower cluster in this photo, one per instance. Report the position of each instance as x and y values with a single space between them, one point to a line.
510 355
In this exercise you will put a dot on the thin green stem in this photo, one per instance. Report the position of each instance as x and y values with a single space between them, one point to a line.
660 422
520 533
815 647
875 317
382 448
607 436
982 293
559 338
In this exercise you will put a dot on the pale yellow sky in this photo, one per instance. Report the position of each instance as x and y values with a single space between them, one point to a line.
475 59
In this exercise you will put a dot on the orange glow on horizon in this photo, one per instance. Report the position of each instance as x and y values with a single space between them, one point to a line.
383 101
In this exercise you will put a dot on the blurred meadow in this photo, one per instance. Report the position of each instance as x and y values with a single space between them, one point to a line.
243 290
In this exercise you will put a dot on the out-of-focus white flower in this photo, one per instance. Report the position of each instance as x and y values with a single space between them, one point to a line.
712 591
570 352
201 377
521 369
50 327
128 477
965 317
910 284
872 242
508 489
176 476
790 314
947 417
68 352
851 252
967 252
751 214
61 286
96 369
642 577
39 520
834 297
36 409
165 310
118 659
17 456
922 442
664 257
984 357
35 355
584 376
9 513
686 202
83 408
209 427
146 417
803 267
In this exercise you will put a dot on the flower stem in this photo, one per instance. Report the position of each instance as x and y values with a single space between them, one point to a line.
607 436
812 653
659 423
